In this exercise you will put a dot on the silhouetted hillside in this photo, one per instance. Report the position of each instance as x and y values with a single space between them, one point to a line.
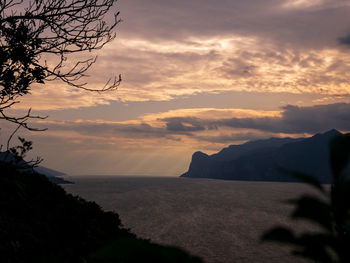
259 160
40 222
53 175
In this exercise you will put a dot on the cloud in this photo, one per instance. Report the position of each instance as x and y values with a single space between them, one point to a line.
183 124
170 50
314 4
183 131
58 96
293 120
176 129
165 51
234 65
210 125
236 138
298 22
316 118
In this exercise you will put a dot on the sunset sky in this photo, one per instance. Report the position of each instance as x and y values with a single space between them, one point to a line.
199 75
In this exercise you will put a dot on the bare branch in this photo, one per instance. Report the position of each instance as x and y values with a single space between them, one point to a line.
31 30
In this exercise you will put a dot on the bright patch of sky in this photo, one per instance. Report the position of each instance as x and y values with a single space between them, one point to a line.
199 75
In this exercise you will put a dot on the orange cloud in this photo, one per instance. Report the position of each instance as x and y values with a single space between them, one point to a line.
165 70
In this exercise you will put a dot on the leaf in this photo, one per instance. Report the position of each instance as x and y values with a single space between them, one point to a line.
306 178
316 247
279 234
341 206
313 209
339 154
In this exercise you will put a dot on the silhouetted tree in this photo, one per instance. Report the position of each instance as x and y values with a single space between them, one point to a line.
37 38
330 211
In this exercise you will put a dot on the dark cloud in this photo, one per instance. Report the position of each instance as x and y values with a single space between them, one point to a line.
316 25
180 124
237 67
345 40
263 124
294 119
316 118
227 139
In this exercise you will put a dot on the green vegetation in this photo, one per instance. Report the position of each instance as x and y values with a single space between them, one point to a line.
330 210
40 222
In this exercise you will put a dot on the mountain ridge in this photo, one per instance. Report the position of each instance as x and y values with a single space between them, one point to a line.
260 160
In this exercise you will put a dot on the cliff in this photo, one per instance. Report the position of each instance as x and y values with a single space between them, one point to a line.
260 160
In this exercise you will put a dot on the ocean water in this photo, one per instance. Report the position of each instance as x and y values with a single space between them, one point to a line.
220 221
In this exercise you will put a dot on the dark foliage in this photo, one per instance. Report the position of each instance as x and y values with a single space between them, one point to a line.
135 251
40 222
330 211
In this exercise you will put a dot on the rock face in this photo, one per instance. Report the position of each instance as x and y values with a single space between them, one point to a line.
260 160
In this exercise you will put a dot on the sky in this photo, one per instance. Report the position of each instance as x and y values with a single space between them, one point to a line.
199 75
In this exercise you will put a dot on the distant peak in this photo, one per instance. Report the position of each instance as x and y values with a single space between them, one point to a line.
328 134
199 154
332 132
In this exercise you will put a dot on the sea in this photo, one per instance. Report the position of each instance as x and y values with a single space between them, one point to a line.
220 221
